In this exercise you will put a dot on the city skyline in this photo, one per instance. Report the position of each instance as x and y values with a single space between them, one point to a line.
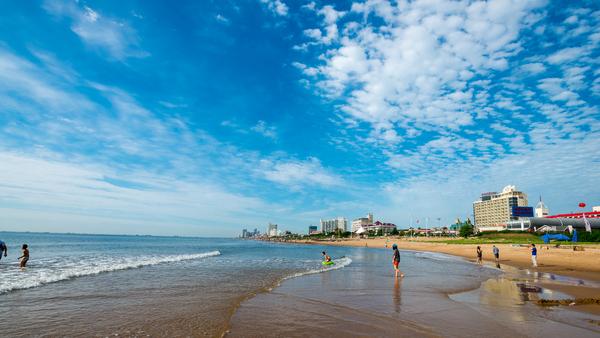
145 118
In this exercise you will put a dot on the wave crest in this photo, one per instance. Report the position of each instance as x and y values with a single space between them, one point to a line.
35 277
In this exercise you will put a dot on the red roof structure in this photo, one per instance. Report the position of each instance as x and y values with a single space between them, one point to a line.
589 214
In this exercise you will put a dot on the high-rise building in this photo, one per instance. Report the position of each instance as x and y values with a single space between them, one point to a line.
331 225
245 233
272 230
541 210
312 229
362 222
494 210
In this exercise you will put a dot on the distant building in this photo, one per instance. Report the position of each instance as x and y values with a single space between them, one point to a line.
362 222
541 210
245 233
494 210
596 208
331 225
385 228
313 229
272 230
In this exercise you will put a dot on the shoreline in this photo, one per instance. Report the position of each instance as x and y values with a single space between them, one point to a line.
363 301
580 265
562 261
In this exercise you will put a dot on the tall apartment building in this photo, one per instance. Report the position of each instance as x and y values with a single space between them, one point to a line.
494 210
272 230
361 222
331 225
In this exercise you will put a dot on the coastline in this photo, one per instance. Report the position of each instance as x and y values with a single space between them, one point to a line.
363 300
580 266
562 261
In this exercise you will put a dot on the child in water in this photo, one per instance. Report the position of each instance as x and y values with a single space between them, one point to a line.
326 257
25 256
396 261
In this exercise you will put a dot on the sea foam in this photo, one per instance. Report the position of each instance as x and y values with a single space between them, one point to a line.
339 263
56 271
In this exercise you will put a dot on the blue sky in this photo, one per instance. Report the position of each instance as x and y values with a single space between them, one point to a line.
204 117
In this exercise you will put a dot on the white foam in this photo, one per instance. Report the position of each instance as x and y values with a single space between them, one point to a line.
35 276
339 263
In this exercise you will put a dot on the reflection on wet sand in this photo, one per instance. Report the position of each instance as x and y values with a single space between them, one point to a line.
397 295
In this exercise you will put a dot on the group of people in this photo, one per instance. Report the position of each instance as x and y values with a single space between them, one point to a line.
24 258
496 253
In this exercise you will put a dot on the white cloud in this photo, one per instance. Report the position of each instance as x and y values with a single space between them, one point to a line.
566 55
222 19
298 174
67 196
534 68
416 67
113 36
265 130
276 6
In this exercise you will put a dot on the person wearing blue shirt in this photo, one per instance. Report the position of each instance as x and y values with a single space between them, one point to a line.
534 255
3 249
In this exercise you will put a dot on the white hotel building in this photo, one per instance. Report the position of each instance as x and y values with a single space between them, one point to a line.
331 225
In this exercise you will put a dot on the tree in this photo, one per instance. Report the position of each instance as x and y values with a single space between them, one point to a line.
466 230
394 232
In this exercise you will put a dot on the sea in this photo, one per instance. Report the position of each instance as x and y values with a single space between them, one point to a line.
107 285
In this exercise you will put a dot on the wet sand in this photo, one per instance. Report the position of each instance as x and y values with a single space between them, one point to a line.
551 260
438 297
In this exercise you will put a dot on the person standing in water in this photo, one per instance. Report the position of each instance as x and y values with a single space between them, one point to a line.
479 255
534 255
326 257
396 261
25 256
3 249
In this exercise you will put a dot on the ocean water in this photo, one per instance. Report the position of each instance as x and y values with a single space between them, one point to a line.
97 285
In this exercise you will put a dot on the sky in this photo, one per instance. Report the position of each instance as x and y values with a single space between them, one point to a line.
205 117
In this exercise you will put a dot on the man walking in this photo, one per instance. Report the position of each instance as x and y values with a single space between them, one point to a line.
534 255
496 252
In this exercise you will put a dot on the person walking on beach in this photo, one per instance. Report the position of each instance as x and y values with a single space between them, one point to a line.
396 261
25 257
479 255
3 249
496 252
534 255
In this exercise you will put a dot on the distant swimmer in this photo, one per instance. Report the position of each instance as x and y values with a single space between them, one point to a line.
3 249
25 256
326 257
479 255
396 261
